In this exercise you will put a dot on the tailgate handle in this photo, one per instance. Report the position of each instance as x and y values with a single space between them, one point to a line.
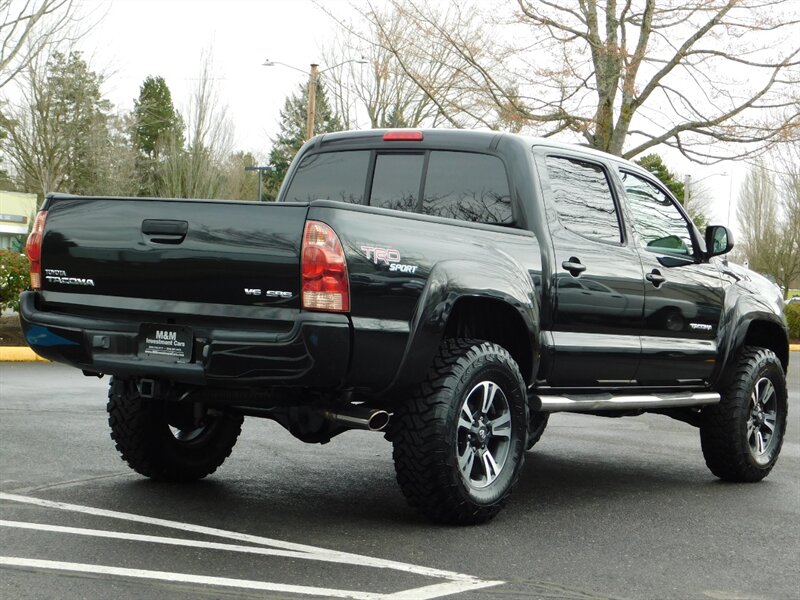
162 231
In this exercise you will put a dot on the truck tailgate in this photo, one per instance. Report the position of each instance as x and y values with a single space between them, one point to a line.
234 253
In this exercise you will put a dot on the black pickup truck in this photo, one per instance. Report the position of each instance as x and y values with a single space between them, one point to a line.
450 288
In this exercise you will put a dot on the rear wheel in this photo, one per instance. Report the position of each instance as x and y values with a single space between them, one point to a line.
459 442
537 423
742 436
168 441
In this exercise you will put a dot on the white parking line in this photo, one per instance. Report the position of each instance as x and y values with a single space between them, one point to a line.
153 539
249 584
457 582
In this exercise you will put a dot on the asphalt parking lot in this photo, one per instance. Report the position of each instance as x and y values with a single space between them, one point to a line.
606 508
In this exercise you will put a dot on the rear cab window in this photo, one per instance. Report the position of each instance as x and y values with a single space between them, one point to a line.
396 180
468 187
461 185
330 176
582 196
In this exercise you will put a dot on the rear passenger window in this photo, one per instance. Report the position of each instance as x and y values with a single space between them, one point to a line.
467 186
583 199
330 176
396 181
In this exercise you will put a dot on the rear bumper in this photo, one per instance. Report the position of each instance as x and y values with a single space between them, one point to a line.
313 351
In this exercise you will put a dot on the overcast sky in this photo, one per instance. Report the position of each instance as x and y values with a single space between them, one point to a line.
167 38
137 38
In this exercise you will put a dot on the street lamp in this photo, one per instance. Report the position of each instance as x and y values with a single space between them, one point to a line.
313 77
687 185
261 171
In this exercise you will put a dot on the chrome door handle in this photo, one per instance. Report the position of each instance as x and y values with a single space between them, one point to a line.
655 277
574 266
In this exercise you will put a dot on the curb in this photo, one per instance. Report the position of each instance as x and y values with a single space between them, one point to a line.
25 354
19 354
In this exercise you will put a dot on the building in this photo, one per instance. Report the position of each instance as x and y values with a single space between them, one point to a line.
17 212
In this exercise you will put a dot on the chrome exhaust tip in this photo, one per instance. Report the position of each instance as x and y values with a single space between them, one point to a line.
371 419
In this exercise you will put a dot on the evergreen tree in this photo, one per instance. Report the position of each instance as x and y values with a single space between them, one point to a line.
292 133
80 118
655 164
155 117
157 129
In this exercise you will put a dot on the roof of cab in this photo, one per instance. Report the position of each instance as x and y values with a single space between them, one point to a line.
460 138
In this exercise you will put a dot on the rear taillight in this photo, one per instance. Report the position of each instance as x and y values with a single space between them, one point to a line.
33 250
324 268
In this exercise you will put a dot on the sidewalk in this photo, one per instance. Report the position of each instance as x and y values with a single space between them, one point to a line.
19 354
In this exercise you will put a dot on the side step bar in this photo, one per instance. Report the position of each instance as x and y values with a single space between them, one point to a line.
607 401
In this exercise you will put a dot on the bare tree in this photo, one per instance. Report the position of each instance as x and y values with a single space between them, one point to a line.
56 137
240 184
789 254
381 90
769 219
413 78
197 171
697 203
29 139
27 28
714 79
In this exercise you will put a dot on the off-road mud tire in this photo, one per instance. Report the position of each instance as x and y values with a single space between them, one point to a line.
427 434
537 423
141 431
725 431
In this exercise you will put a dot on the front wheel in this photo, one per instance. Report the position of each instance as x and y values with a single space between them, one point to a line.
459 442
742 436
168 441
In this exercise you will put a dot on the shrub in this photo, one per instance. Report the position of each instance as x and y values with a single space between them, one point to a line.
793 320
14 278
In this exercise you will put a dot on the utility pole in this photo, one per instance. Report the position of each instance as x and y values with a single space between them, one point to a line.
312 101
687 184
313 82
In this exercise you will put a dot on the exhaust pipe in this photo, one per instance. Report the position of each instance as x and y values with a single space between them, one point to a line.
356 417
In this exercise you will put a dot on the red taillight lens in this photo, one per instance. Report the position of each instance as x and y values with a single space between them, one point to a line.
403 136
33 250
324 270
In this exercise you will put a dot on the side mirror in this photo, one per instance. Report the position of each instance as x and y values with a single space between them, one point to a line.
719 240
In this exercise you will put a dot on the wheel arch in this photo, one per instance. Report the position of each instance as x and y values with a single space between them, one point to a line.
770 335
458 295
494 321
757 329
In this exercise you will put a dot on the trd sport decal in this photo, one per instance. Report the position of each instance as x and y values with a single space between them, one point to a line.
387 256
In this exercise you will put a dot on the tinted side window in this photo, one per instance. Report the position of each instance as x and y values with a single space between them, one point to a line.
658 221
396 181
332 176
467 186
583 198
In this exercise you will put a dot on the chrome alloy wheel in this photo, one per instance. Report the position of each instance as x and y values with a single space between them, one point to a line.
483 435
763 418
187 435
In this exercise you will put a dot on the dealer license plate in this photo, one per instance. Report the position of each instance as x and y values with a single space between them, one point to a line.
168 343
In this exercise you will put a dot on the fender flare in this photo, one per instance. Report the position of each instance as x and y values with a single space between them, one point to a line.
739 317
450 281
